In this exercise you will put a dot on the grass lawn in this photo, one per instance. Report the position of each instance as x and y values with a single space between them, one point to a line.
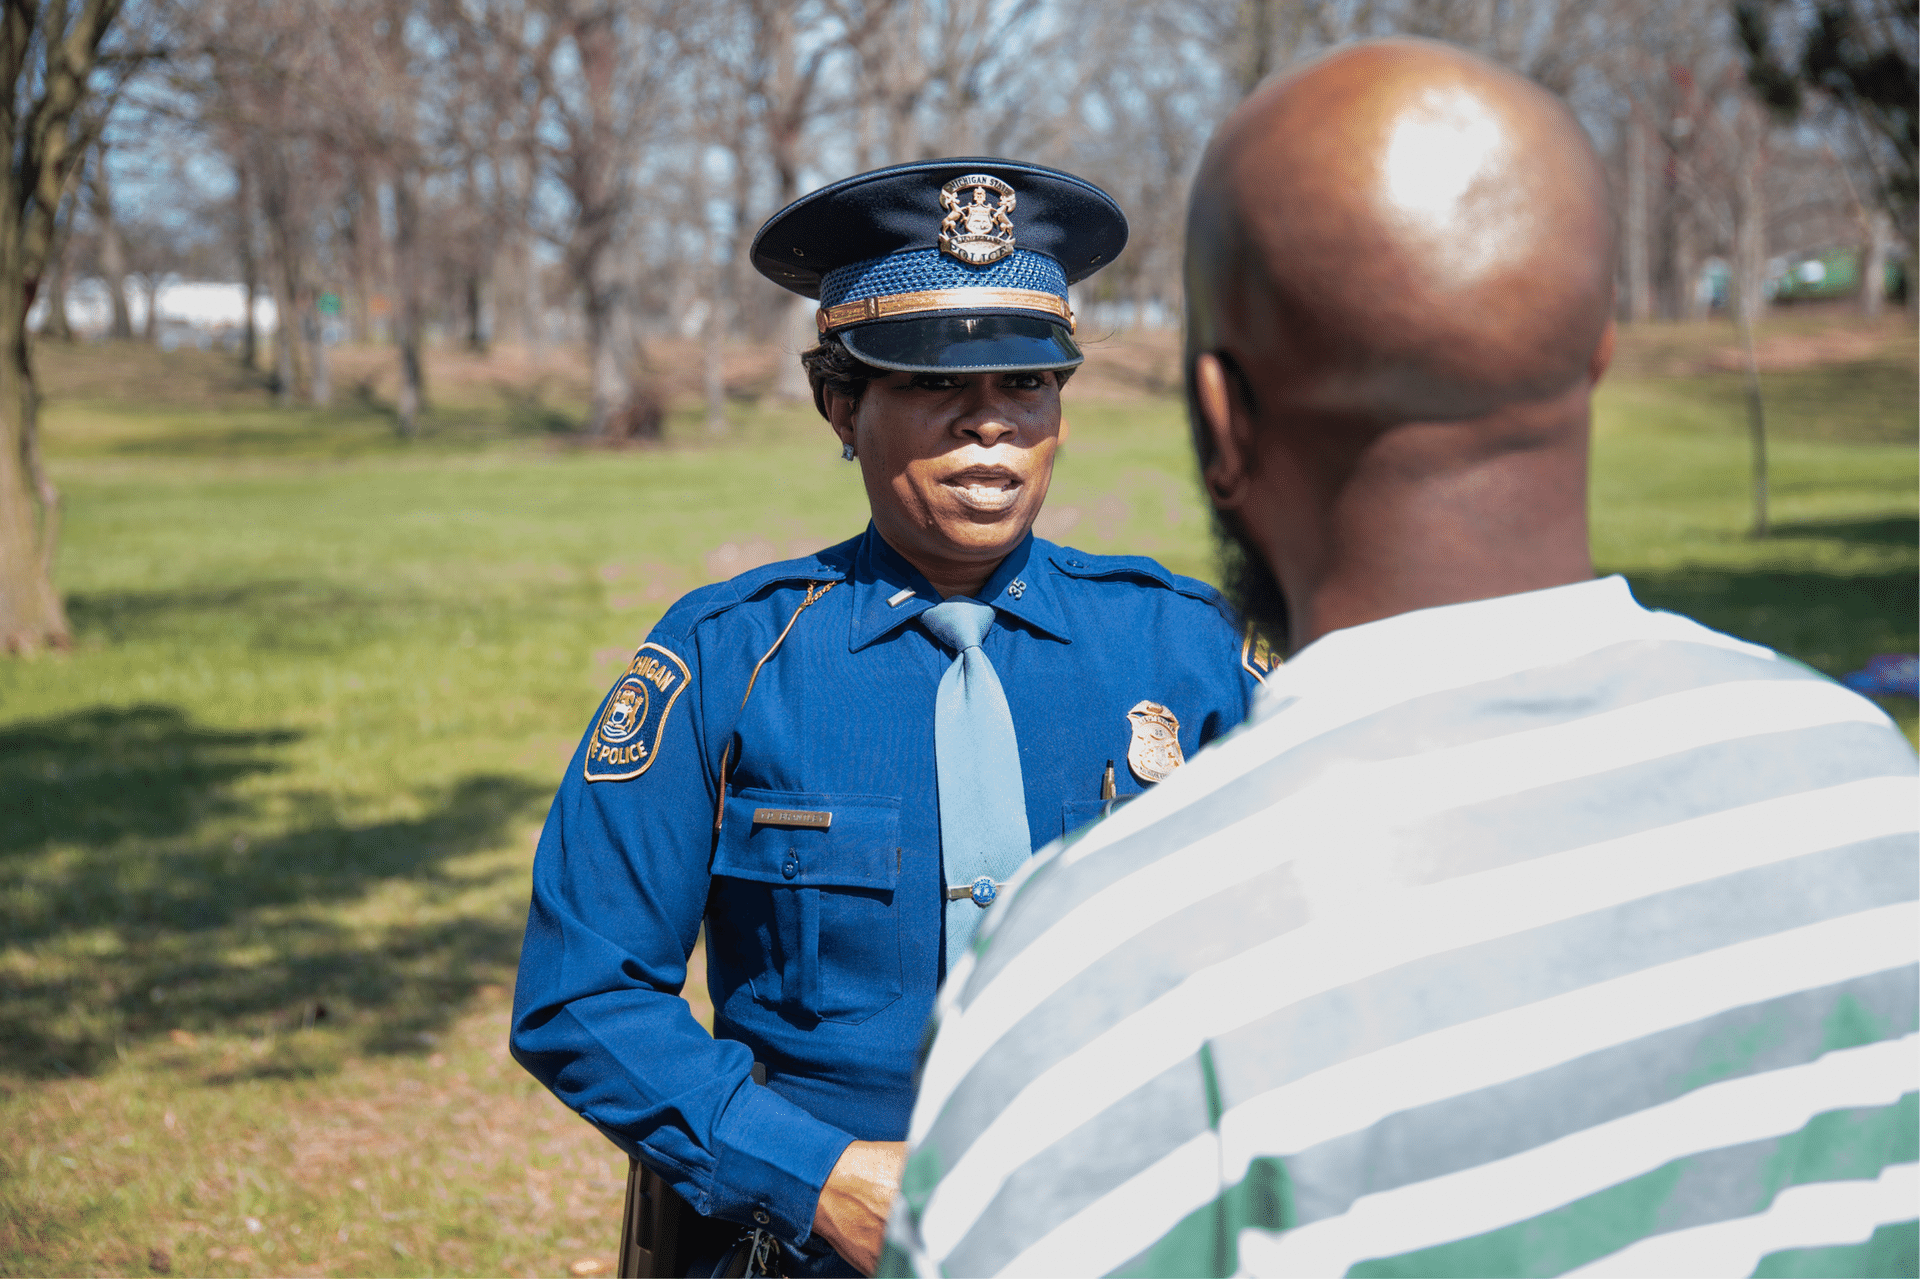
264 834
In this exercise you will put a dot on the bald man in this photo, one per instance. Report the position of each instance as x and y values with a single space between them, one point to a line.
1521 930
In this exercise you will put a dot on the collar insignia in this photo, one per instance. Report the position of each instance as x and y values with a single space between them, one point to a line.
975 231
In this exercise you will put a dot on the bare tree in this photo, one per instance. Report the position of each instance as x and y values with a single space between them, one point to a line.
246 251
1726 176
113 247
57 326
1861 59
420 153
260 57
603 115
50 56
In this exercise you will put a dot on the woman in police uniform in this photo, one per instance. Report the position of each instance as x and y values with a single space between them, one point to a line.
837 761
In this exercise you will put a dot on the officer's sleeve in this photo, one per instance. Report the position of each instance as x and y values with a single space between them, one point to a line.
619 888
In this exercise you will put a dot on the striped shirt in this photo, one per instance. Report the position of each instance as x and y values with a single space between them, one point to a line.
1521 936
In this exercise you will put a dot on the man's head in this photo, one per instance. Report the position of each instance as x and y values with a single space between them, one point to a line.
1399 276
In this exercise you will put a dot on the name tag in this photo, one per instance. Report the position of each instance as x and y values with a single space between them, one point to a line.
800 818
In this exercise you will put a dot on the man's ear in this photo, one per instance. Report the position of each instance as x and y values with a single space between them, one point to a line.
1223 416
1066 429
1602 355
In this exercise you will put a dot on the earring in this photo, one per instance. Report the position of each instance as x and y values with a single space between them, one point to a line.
846 452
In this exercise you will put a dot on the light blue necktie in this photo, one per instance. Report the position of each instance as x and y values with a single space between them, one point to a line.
983 803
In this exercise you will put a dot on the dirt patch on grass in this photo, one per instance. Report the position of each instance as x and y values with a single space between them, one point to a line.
1784 343
450 1161
1127 366
136 373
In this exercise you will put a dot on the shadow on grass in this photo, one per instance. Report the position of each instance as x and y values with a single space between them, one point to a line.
528 413
1833 622
100 776
299 435
316 618
368 401
1890 530
135 918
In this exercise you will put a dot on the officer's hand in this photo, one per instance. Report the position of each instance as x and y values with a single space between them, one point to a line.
852 1215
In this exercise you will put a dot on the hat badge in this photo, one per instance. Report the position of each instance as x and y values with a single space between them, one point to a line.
975 230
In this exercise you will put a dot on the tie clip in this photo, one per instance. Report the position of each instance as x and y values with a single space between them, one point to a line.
801 818
898 598
981 890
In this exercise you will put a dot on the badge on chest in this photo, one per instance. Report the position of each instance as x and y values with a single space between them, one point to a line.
626 738
1154 752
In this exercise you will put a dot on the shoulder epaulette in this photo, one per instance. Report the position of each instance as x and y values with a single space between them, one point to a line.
831 565
1078 563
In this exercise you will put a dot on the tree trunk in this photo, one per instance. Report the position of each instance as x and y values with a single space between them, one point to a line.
1749 264
1756 424
249 262
31 616
284 372
1142 295
476 314
364 230
800 332
150 323
113 251
1686 257
1873 262
612 388
715 369
312 328
1748 281
41 160
57 327
530 314
1256 58
285 235
406 308
534 304
1639 291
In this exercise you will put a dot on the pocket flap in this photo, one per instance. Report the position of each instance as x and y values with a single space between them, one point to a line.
794 844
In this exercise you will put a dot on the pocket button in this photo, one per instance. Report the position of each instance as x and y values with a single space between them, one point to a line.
790 867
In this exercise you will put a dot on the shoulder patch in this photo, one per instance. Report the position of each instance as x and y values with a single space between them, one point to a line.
1256 655
626 739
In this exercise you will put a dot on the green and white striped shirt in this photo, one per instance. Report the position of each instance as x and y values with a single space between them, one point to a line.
1514 937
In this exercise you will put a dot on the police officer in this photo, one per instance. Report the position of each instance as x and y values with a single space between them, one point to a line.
837 761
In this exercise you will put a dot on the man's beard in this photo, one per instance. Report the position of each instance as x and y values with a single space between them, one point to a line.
1247 581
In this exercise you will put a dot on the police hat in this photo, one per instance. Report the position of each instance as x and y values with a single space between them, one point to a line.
956 266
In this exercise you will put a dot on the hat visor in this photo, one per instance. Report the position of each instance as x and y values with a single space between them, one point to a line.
963 344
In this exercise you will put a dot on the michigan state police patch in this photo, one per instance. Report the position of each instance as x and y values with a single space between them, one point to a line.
626 739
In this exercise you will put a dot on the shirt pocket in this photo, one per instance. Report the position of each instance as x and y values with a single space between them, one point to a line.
1078 812
816 901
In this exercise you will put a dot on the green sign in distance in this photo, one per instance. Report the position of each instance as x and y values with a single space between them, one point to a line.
329 304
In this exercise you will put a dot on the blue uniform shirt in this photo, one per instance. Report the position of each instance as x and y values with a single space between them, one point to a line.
824 945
